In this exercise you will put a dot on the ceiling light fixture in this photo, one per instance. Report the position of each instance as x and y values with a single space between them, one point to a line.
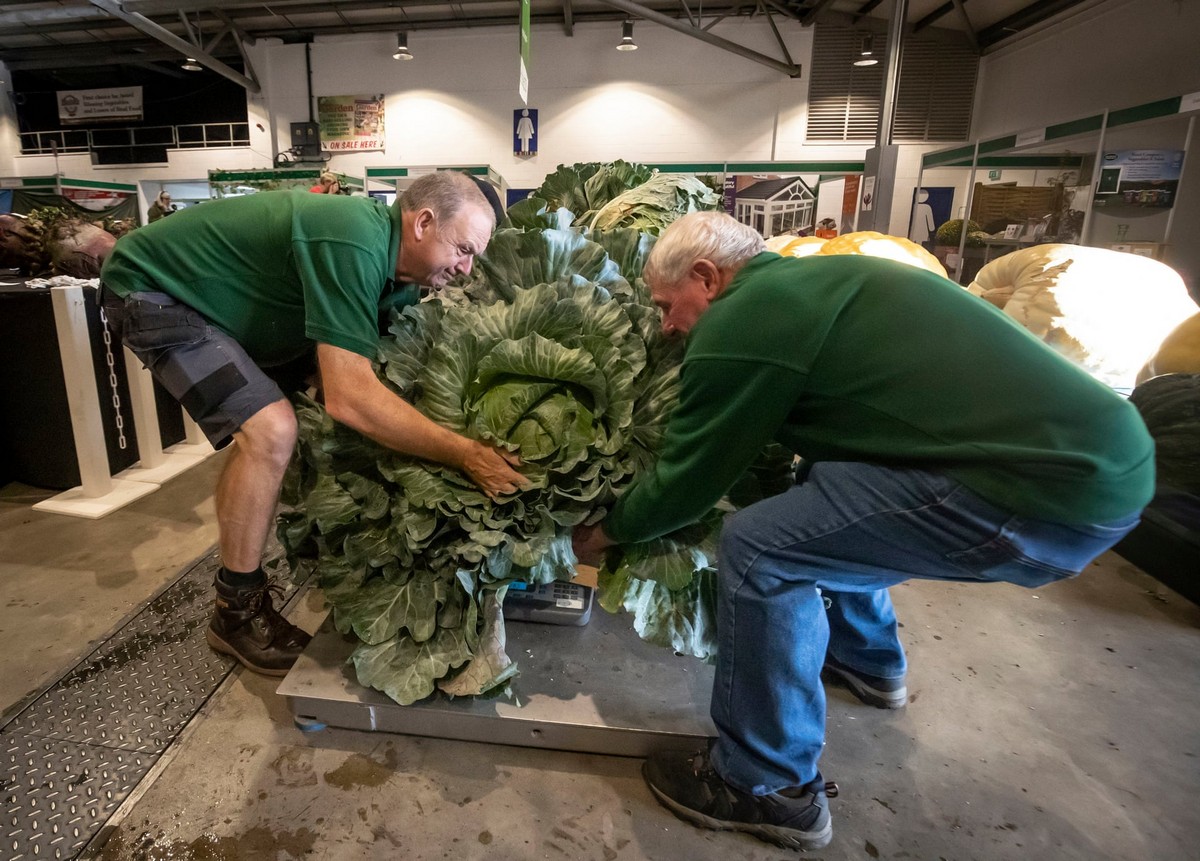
402 52
866 54
627 43
190 65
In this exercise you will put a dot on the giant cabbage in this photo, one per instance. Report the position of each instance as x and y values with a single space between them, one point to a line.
555 349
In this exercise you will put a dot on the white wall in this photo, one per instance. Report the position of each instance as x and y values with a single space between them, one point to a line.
1112 55
674 99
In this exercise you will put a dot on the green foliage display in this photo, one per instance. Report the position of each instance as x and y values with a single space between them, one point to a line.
606 196
950 233
553 347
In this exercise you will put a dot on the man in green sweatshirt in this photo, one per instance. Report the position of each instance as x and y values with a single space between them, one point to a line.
940 440
216 299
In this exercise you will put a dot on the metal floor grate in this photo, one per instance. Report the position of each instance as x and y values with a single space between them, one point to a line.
76 752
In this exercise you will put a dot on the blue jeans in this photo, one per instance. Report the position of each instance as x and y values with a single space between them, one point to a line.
850 531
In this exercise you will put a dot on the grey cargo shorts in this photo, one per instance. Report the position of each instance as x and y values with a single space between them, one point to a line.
203 368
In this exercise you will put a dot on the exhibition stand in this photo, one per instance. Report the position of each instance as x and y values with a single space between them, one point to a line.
1091 150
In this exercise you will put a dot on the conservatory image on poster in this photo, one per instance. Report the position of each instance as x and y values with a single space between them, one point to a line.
776 205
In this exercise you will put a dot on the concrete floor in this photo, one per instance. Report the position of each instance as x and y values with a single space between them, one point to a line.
1054 724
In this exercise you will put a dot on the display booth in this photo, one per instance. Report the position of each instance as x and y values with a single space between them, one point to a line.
1110 180
94 200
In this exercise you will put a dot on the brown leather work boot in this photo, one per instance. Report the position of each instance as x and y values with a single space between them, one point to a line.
247 626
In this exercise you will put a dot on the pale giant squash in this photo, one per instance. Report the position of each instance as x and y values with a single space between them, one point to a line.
1108 311
865 242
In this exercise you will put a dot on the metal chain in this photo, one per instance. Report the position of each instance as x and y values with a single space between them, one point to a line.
112 380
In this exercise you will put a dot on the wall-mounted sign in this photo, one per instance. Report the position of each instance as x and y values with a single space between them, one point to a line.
111 104
868 193
1139 177
351 123
525 131
1034 136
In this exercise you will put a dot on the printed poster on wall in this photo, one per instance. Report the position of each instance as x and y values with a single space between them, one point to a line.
351 123
1139 177
115 104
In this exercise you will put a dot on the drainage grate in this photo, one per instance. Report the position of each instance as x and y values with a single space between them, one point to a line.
74 754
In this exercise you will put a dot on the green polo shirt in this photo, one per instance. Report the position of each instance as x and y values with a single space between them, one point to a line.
850 358
277 270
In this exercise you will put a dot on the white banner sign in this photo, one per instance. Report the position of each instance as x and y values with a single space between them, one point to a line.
109 104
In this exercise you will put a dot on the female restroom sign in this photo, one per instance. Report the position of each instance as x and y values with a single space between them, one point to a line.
525 133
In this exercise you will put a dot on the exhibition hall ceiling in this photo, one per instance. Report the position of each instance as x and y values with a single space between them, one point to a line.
36 35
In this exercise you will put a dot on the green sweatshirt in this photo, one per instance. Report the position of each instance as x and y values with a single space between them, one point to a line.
276 270
851 358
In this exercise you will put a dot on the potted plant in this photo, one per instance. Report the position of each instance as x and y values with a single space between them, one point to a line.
946 242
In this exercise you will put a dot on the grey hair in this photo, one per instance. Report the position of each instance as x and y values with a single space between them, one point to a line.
445 192
713 236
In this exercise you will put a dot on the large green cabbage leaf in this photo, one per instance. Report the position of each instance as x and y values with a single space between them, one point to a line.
603 197
550 349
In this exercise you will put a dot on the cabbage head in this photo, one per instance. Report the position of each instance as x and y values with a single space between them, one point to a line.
548 349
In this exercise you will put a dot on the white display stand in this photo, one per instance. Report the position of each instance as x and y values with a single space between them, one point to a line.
156 465
99 492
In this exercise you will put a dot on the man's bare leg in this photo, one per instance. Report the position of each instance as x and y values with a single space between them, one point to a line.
248 489
245 624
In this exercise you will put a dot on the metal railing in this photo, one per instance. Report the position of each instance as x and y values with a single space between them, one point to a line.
190 136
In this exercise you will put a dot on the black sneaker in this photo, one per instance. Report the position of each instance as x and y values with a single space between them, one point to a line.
872 690
247 626
688 786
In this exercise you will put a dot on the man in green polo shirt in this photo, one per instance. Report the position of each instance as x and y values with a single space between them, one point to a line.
212 297
941 441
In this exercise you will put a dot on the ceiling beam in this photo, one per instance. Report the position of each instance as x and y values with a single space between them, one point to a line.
244 37
778 38
967 26
866 9
70 16
88 60
789 69
568 18
816 9
1028 16
928 20
162 34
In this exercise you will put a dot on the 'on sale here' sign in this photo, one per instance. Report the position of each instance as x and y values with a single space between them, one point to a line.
351 123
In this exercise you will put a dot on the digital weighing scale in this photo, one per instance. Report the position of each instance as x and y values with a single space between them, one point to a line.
593 687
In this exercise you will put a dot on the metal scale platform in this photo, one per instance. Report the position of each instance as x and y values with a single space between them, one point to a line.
595 688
